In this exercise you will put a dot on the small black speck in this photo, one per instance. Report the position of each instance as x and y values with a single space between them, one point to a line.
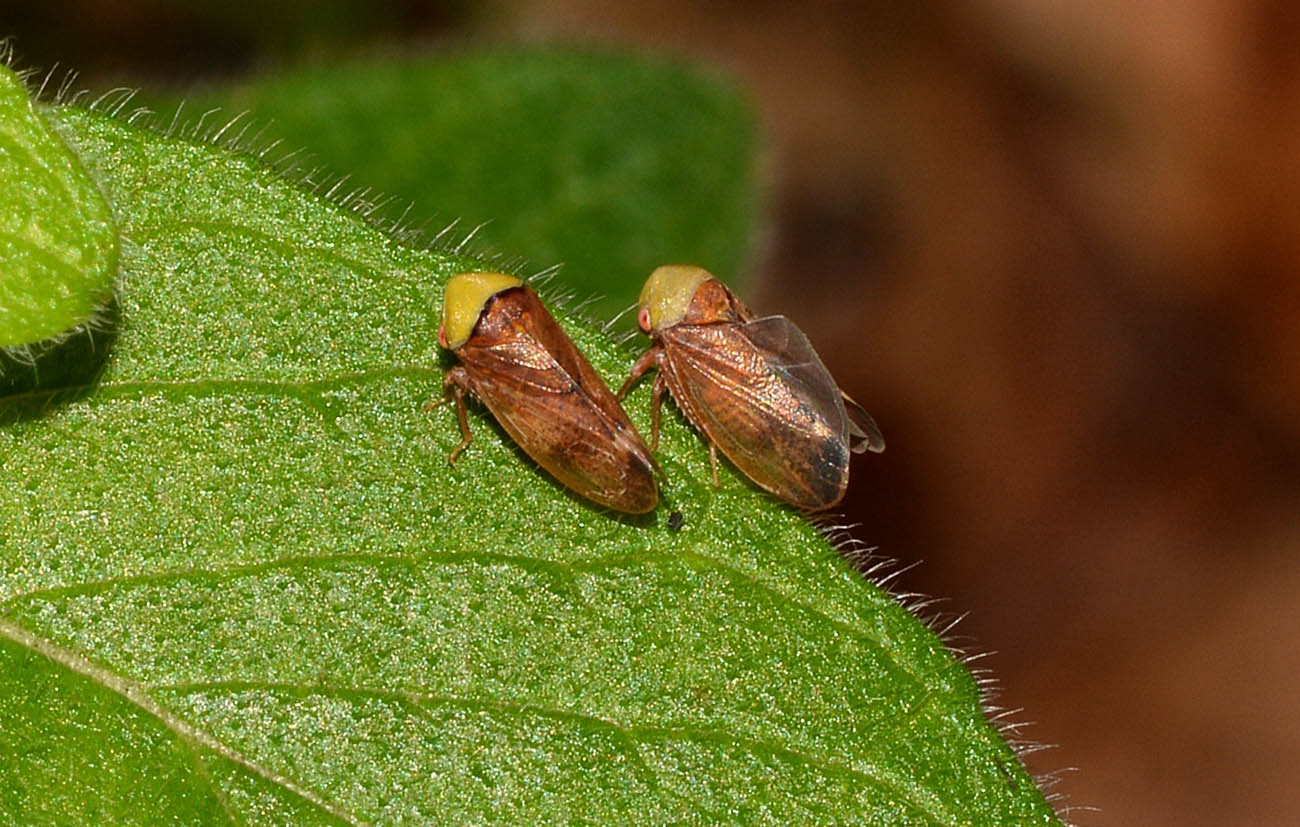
675 520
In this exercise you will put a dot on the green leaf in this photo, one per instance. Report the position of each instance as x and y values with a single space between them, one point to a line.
608 165
57 240
239 581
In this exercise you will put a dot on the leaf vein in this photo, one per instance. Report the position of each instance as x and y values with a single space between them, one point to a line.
203 770
137 694
283 246
638 732
205 387
841 625
326 560
457 557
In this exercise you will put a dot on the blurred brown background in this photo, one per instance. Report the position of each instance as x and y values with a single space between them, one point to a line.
1055 249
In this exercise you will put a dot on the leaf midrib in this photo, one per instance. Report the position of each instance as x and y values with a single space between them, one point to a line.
136 694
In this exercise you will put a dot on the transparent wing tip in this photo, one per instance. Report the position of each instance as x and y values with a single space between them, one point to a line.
864 433
861 440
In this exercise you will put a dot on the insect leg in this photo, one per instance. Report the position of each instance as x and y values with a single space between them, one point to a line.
647 360
713 460
447 381
656 402
454 380
439 402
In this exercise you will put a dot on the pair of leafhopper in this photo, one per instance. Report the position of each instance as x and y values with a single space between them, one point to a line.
754 387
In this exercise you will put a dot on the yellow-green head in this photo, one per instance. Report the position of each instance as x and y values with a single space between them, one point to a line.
667 294
463 300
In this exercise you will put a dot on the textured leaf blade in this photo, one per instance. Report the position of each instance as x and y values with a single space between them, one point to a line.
58 246
245 546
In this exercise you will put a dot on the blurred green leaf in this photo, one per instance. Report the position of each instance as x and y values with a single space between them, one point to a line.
239 581
57 241
607 165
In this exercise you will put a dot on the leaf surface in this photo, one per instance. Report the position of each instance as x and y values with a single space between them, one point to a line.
57 241
239 581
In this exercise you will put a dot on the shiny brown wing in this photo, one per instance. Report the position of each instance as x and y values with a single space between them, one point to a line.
557 419
791 354
759 392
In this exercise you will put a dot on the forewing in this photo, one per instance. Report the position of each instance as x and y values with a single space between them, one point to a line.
864 433
752 398
553 417
790 355
789 352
